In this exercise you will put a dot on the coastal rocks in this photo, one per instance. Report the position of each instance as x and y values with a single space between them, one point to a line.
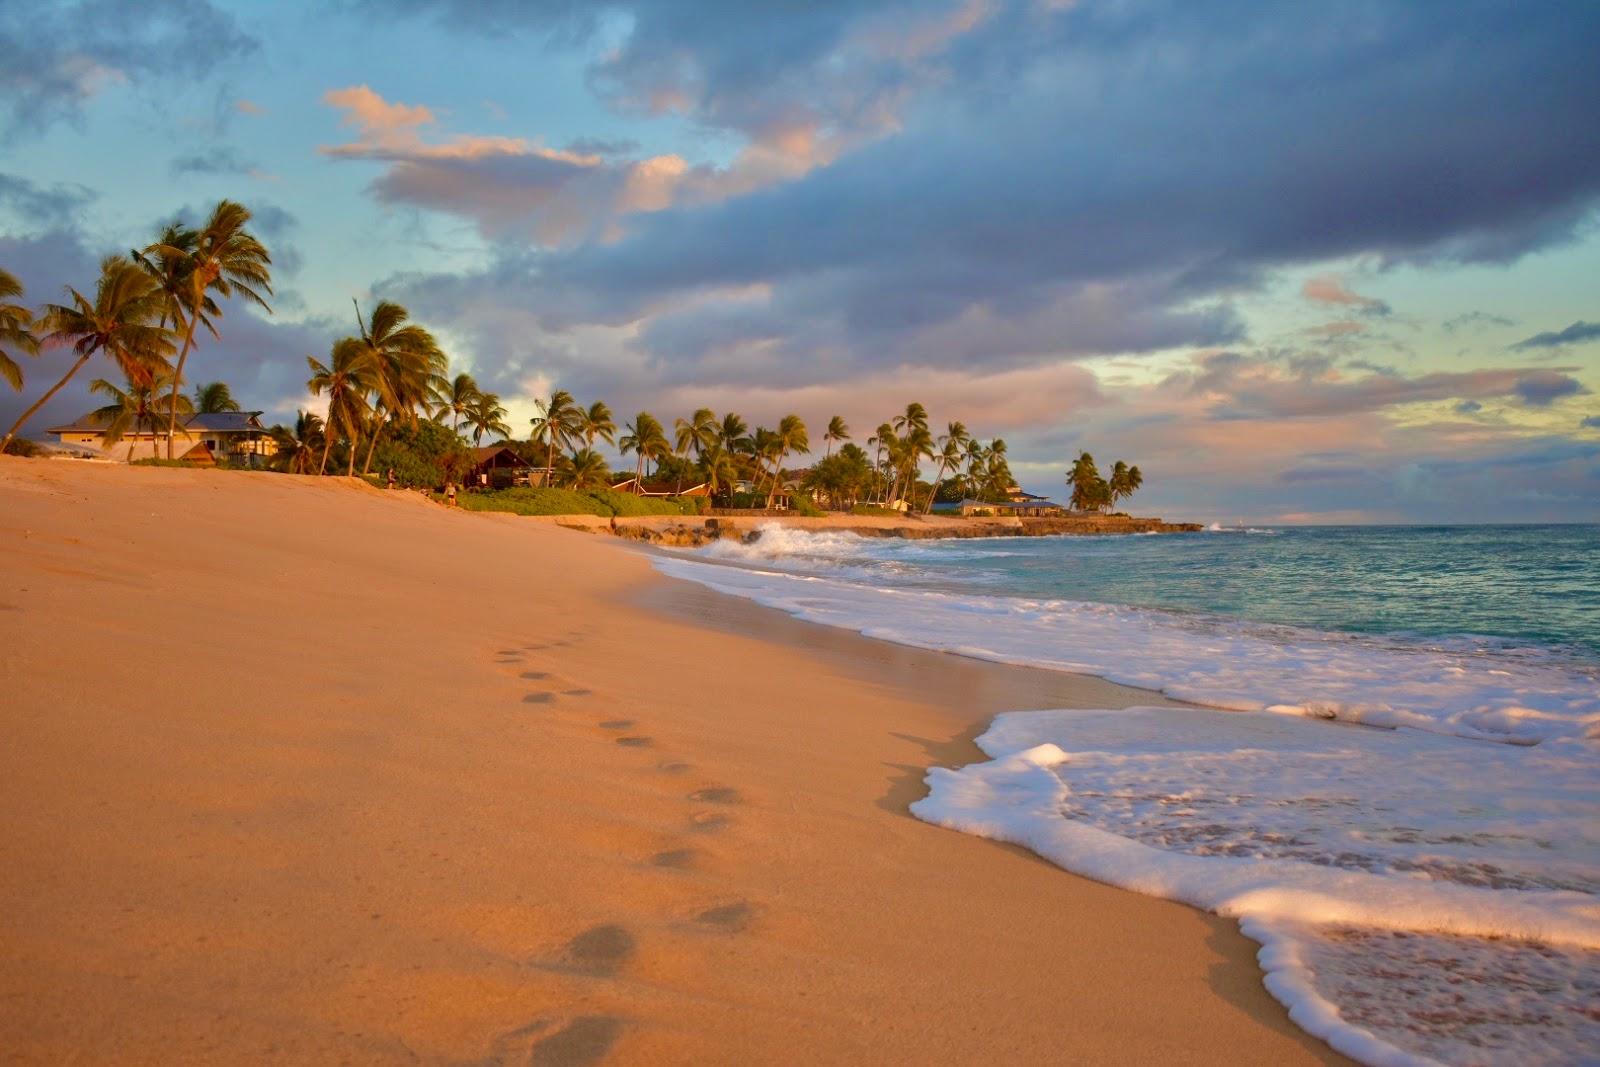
690 533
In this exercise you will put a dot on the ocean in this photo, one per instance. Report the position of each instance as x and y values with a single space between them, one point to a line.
1407 814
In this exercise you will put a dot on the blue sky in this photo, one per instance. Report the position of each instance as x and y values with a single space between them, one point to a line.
1299 264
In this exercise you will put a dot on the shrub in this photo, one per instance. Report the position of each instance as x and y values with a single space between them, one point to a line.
534 502
875 511
21 446
626 504
422 457
802 504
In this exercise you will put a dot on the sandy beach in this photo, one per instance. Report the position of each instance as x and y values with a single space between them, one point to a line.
300 771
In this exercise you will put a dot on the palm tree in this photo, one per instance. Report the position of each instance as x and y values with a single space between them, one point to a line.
407 368
214 397
597 422
16 331
837 431
459 396
1088 488
646 439
121 321
298 447
347 379
791 437
952 447
222 257
587 469
487 415
696 434
559 421
721 466
735 434
1124 481
135 409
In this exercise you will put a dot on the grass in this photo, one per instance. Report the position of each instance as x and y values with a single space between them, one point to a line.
544 501
876 512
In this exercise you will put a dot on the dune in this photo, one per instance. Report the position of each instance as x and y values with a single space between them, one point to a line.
296 770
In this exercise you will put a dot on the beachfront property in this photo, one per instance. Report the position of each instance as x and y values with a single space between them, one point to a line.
1031 507
497 467
234 437
661 489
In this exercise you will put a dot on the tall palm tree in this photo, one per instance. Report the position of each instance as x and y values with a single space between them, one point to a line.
721 466
224 258
487 415
880 439
459 396
791 437
16 331
135 410
647 440
952 447
407 368
1084 478
559 421
121 322
347 379
696 434
587 469
735 433
1124 481
214 397
597 422
299 447
837 431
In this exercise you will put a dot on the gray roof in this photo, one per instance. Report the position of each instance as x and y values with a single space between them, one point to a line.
213 422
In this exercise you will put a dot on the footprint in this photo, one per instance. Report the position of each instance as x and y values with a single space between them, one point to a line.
585 1040
636 742
616 724
600 951
729 917
534 676
673 767
509 653
676 859
539 698
534 648
720 794
577 692
709 822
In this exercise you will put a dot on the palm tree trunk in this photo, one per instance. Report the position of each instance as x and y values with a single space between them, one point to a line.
371 448
26 415
177 382
327 442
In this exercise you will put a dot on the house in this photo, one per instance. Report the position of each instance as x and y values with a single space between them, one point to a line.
1033 507
661 488
235 437
496 466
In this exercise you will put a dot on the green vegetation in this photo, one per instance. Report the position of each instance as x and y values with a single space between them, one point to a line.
1091 492
875 511
802 504
550 501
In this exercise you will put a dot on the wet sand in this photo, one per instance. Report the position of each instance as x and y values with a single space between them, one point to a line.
299 771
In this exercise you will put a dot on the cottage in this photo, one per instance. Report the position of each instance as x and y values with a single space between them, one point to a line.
497 467
235 437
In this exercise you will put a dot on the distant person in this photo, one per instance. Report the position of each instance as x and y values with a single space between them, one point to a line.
391 477
450 494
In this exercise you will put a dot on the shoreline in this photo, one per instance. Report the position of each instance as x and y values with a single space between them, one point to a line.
476 788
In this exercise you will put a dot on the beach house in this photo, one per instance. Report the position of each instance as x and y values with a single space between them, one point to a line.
236 438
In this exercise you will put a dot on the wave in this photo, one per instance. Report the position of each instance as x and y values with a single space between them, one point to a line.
1417 898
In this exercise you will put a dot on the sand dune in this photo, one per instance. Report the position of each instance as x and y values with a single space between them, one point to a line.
296 770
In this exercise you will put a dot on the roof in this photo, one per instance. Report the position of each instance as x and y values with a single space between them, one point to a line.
484 453
211 422
1017 505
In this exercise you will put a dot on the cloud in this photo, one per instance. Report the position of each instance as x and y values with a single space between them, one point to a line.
58 56
1330 289
1476 321
53 207
1577 333
1468 407
1589 422
248 107
1542 388
219 159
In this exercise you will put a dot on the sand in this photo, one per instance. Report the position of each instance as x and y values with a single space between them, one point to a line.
295 770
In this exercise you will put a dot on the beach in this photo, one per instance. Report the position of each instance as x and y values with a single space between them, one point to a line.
297 770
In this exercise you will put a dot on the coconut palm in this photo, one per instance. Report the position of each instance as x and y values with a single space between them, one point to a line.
558 423
1124 481
696 434
213 397
135 409
299 447
836 431
596 422
406 368
347 379
735 434
16 331
221 257
459 396
1088 488
790 437
487 415
952 447
587 469
122 322
647 440
721 466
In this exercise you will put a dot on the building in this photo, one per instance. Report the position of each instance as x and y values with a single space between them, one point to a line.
497 467
1034 507
661 488
234 437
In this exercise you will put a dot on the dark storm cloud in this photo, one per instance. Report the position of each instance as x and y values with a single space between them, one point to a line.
1041 168
1577 333
58 55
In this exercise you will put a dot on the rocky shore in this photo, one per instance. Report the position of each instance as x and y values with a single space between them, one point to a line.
692 532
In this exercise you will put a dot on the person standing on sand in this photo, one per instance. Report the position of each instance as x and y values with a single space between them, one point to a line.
450 494
391 477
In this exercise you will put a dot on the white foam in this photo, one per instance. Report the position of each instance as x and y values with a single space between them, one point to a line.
1451 688
1417 898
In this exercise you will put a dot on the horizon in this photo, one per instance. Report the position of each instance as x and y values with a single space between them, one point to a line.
1357 299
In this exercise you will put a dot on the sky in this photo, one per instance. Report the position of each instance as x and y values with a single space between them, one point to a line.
1300 263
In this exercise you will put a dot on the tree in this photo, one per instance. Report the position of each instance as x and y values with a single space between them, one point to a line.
1125 480
696 434
121 322
298 447
790 437
135 409
347 379
224 258
647 440
559 421
841 477
836 431
597 422
487 415
952 447
587 470
407 368
213 397
16 331
459 396
1089 490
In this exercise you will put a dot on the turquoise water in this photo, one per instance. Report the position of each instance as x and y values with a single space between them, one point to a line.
1500 586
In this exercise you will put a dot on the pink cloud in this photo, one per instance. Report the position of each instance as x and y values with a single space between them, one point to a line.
1331 289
